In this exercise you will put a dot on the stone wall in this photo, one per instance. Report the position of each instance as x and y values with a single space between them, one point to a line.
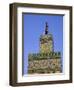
45 66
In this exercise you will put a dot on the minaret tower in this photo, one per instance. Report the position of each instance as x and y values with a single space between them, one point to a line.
46 41
46 60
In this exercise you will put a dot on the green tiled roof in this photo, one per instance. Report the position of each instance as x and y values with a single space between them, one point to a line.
40 56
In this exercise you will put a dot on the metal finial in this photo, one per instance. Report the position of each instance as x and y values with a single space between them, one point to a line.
46 28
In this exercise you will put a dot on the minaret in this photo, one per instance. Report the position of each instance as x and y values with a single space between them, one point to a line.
46 41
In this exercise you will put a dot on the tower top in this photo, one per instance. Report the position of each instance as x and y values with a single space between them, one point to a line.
46 28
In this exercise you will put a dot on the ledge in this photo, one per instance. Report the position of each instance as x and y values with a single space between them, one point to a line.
41 56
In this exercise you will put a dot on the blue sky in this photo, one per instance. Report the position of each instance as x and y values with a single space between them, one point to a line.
34 26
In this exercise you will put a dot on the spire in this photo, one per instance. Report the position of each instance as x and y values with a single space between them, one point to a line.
46 28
